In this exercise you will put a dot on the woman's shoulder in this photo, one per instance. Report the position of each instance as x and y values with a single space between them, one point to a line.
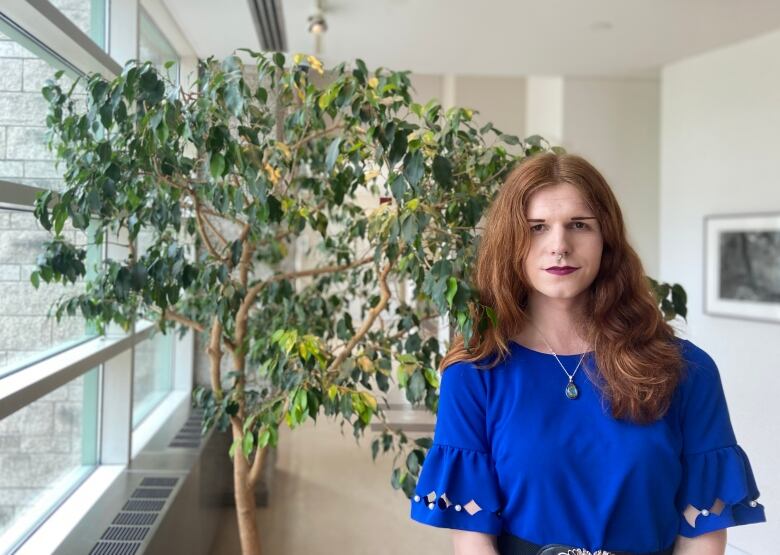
477 375
700 372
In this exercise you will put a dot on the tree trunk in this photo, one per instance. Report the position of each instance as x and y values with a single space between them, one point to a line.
245 502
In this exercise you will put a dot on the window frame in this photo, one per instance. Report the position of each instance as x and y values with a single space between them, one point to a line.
41 28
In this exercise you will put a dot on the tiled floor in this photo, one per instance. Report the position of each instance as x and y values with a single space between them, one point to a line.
329 497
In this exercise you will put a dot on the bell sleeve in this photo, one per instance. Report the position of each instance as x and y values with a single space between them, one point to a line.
718 488
457 486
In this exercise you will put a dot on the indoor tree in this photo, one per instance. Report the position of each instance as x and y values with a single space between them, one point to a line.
268 156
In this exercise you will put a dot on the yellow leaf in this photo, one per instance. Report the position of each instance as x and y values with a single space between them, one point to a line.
284 148
369 175
365 363
297 58
369 400
273 173
373 82
332 392
315 64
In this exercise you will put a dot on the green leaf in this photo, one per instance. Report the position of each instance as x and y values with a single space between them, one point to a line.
395 479
413 168
332 154
679 300
509 139
416 386
263 438
233 447
217 165
424 442
398 148
408 485
279 60
534 140
248 444
442 171
452 288
413 463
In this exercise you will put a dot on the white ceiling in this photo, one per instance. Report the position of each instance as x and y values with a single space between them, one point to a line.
492 37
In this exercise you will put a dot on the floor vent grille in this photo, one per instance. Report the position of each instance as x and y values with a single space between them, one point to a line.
140 505
135 519
127 531
189 435
159 482
115 548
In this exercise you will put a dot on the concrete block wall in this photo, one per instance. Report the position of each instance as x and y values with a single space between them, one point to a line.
24 157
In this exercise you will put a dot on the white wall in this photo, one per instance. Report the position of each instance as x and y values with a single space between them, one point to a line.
720 141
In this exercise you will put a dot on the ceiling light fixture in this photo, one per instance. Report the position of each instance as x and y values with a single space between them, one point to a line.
317 24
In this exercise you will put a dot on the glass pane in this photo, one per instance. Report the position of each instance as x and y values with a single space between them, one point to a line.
27 334
88 15
153 373
24 157
48 448
154 47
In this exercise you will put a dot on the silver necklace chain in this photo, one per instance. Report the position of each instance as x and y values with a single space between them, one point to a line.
571 376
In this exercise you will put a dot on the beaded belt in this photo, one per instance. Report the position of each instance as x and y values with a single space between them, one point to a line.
509 544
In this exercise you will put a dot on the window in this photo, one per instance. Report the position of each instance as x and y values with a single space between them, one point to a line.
48 448
153 373
24 157
55 371
87 15
154 47
26 333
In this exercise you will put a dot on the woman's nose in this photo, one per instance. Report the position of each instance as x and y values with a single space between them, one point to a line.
559 241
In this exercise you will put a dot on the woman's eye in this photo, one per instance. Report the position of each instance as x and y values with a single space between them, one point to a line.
583 224
536 227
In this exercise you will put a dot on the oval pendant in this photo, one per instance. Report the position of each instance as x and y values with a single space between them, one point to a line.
571 391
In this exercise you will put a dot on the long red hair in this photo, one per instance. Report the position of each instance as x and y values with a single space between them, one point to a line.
639 363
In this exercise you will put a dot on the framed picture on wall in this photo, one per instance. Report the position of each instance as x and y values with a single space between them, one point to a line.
742 266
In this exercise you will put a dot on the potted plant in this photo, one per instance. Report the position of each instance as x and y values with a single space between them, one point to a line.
264 157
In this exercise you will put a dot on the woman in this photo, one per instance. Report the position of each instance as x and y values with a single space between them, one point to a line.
579 422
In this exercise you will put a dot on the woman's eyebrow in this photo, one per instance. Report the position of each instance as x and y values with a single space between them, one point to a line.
574 218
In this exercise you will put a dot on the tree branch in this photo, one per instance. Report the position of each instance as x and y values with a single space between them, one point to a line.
253 291
257 466
246 257
316 135
176 317
215 355
211 212
369 321
203 234
216 232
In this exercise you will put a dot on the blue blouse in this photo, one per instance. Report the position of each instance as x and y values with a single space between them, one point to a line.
512 452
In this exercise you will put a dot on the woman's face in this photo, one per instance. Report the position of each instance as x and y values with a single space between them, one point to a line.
560 222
